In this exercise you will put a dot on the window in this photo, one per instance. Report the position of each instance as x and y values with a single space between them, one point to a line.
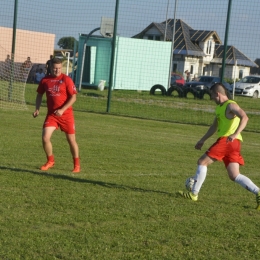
250 80
241 74
216 79
154 37
209 44
220 72
191 69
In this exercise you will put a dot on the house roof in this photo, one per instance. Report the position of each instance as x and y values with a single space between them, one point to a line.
233 55
255 70
257 61
186 40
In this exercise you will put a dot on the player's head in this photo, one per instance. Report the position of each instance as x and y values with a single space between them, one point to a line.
219 93
56 67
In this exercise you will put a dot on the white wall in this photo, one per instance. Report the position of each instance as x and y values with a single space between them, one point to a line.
230 71
141 64
192 61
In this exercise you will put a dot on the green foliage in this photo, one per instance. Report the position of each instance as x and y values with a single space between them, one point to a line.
123 205
67 43
179 73
230 81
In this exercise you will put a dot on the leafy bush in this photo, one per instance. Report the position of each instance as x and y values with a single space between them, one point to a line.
230 81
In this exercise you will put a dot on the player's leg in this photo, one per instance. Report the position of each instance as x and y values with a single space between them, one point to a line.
68 126
74 149
233 160
71 138
214 153
47 147
235 175
199 177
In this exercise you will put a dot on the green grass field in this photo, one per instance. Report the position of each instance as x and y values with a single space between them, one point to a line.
123 205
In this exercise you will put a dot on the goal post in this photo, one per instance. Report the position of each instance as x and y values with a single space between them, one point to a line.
13 77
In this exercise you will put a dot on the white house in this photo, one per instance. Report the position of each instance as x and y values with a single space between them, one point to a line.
198 51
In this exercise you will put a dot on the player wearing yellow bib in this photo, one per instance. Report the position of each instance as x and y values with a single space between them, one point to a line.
229 122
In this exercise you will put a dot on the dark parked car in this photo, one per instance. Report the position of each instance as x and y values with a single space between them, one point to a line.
202 85
204 82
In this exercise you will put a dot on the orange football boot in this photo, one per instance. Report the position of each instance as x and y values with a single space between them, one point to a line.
76 169
47 166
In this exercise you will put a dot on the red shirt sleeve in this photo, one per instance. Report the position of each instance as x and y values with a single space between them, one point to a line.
71 88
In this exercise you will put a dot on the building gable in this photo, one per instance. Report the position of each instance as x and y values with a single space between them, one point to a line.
233 56
187 41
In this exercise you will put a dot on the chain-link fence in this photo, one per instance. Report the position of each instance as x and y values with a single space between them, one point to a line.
149 59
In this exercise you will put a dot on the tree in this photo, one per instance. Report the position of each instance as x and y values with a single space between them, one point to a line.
67 42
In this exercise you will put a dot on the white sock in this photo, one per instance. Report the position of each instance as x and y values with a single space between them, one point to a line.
199 178
246 183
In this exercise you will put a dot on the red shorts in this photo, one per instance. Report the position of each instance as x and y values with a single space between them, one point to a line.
65 123
228 152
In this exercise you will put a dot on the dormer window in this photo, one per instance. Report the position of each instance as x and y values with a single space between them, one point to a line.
154 37
209 45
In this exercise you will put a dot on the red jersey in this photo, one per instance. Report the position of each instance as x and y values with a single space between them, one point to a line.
58 91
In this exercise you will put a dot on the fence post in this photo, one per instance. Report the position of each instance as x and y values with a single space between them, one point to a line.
10 90
112 58
225 42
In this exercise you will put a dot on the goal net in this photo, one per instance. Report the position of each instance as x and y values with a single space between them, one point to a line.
13 77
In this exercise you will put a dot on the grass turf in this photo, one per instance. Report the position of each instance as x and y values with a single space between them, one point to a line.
123 205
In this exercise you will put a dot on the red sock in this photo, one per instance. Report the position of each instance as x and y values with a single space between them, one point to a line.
50 158
76 161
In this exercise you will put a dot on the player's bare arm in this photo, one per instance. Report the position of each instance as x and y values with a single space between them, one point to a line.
235 110
69 103
212 129
38 105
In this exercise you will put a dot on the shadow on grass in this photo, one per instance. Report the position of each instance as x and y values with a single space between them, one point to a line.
75 179
93 95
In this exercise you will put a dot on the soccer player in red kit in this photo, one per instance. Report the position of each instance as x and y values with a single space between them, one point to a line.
61 95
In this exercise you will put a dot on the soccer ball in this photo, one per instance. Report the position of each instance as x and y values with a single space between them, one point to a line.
189 183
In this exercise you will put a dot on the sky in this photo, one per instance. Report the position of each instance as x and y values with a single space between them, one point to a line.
70 18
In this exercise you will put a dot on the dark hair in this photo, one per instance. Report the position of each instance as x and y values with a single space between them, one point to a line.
219 87
56 61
